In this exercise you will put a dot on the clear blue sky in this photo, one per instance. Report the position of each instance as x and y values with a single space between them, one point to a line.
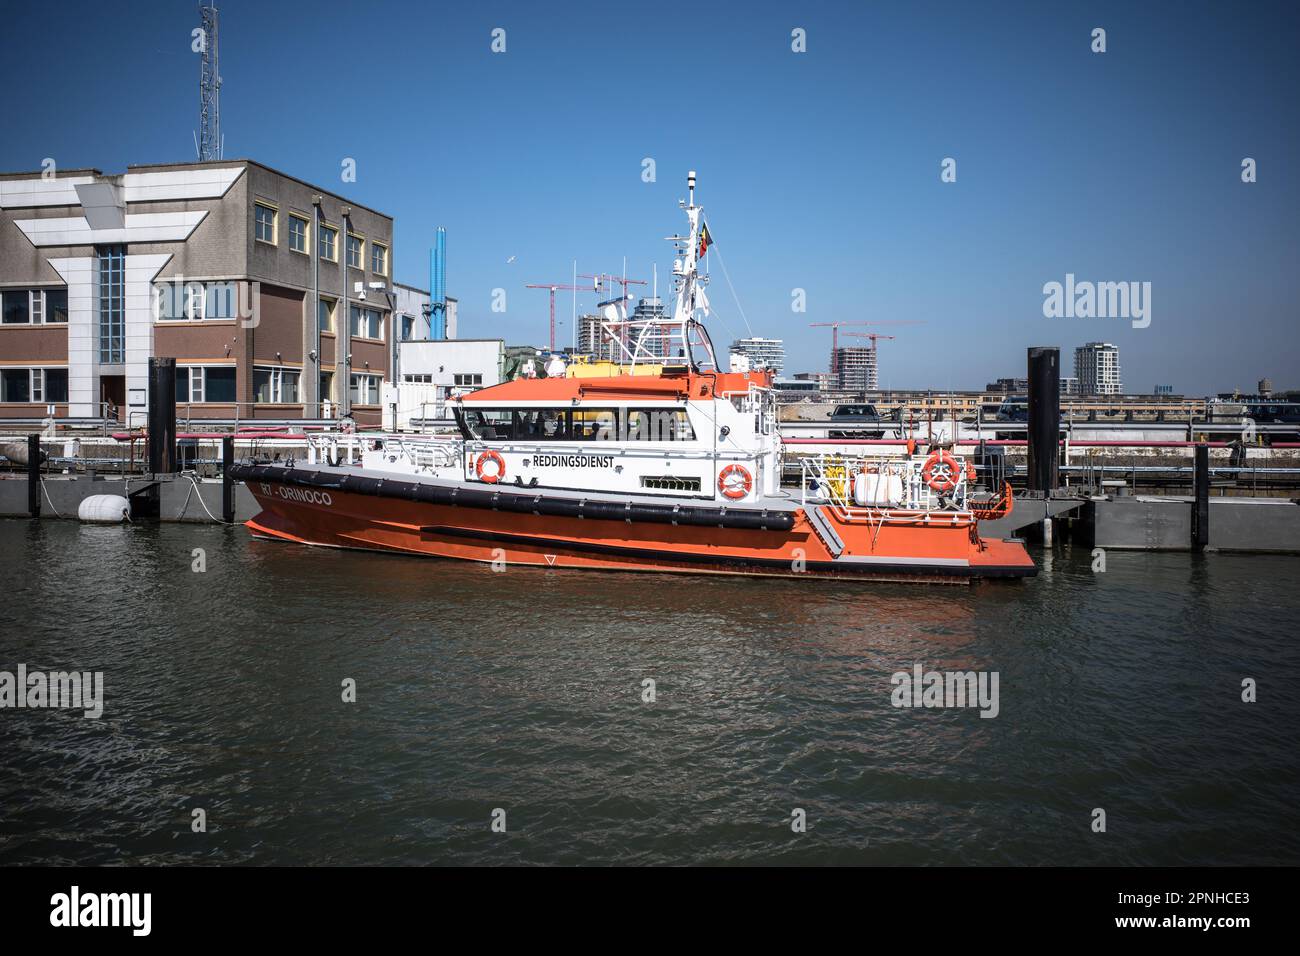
817 171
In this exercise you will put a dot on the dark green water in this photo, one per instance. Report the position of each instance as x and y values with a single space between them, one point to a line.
522 691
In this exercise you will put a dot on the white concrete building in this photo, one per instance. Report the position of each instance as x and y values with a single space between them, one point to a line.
432 371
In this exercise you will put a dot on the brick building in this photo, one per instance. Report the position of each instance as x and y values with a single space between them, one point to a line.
274 296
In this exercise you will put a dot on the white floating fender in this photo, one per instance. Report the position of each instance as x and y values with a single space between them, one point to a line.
105 509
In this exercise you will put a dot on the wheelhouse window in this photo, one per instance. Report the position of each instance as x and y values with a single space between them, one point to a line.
276 386
299 231
594 424
659 424
542 424
264 217
491 424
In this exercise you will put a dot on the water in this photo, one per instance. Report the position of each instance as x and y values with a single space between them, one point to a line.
522 691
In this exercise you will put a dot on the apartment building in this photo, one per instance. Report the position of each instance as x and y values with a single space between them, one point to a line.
762 352
1096 367
274 296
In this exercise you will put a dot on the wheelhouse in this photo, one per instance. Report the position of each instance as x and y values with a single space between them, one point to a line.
672 435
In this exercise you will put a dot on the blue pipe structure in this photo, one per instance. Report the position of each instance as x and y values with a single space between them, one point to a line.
438 286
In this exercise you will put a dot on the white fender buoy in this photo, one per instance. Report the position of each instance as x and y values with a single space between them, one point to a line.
105 509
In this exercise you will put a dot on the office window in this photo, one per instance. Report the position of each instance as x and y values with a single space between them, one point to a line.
211 383
298 233
419 379
355 247
366 323
328 243
112 304
264 223
326 386
54 385
15 385
56 305
364 389
378 259
325 314
174 301
164 302
220 300
17 307
467 378
33 306
408 326
278 386
219 383
36 385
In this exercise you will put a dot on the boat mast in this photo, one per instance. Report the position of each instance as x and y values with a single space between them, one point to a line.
689 284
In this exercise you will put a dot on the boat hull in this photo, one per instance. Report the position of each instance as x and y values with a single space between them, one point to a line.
769 543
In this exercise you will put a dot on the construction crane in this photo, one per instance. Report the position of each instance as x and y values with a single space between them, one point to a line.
868 335
835 334
603 279
555 287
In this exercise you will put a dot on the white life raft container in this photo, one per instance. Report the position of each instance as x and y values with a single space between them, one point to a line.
874 490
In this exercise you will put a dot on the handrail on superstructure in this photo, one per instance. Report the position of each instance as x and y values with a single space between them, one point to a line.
828 480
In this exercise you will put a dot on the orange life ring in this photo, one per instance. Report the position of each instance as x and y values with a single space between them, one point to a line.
941 471
735 482
494 457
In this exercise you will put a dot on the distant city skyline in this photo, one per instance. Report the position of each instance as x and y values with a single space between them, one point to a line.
821 172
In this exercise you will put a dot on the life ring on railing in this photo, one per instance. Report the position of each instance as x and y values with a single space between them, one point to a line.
495 476
941 472
735 482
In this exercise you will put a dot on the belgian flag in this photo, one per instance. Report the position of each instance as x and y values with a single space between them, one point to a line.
706 240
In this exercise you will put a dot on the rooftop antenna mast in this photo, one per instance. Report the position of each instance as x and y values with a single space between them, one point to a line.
210 141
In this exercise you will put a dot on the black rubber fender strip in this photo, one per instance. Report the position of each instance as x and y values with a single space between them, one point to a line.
751 519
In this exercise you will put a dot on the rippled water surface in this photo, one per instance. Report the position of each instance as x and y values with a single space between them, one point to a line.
523 691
